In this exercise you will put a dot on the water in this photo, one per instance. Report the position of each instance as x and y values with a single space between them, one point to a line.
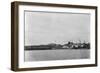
47 55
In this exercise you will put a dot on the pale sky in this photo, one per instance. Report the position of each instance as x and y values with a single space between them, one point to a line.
45 27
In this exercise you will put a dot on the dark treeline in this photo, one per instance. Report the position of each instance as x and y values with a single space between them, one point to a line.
68 45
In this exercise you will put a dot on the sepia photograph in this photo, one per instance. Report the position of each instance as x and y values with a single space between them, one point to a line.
56 36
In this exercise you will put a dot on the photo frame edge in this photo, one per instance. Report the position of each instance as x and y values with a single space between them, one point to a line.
14 36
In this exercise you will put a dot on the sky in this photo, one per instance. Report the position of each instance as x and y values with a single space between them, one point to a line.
49 27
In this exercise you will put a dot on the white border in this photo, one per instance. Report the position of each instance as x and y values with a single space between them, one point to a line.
23 64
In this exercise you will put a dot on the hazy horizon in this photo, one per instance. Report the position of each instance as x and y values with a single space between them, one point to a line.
44 27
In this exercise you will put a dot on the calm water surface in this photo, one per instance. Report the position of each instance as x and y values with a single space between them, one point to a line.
46 55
